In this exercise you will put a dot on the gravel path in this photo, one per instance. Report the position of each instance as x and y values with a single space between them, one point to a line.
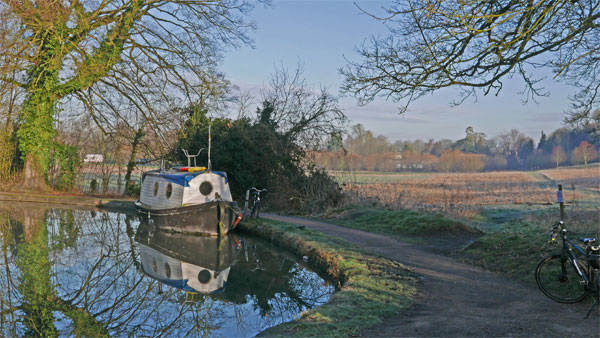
457 299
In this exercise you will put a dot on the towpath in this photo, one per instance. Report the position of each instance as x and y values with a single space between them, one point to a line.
460 300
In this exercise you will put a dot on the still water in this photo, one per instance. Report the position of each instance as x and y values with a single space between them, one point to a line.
78 272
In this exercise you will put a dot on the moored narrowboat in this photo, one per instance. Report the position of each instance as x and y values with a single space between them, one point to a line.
192 200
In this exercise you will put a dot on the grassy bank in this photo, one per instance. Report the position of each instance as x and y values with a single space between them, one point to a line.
370 288
515 247
399 223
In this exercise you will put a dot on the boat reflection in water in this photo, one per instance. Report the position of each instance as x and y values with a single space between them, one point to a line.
77 273
192 263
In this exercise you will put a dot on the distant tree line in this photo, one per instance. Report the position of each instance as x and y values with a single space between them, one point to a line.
511 150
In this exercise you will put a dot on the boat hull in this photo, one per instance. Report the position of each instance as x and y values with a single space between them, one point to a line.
215 218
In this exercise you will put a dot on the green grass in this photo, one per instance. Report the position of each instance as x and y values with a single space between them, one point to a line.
371 288
517 246
399 223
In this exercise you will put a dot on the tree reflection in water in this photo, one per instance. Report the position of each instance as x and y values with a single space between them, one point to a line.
83 273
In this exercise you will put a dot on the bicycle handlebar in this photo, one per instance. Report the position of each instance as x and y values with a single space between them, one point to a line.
556 229
258 191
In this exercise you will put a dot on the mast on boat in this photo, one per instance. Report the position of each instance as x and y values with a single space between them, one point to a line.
209 142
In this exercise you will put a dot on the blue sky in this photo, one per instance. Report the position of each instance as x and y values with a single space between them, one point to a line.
320 33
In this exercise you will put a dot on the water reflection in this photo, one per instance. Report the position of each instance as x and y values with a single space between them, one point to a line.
85 273
191 263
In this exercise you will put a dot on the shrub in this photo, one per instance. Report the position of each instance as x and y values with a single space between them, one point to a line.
255 154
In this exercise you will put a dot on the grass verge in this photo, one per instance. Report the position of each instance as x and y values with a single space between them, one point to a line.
516 247
399 222
370 288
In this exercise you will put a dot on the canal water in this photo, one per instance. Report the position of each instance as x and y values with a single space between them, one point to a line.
80 272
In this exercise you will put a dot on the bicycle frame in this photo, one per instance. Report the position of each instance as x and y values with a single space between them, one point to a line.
587 277
253 198
568 249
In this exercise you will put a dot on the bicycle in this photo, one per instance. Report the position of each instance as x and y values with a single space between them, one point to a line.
255 201
565 278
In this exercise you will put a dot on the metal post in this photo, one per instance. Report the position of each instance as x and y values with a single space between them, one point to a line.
560 200
246 203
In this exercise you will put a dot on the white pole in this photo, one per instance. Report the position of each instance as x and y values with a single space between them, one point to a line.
209 141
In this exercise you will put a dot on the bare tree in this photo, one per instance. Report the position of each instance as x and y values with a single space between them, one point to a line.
508 142
584 153
301 113
558 155
475 45
11 94
148 53
364 143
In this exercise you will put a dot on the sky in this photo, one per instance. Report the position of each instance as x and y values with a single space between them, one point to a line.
320 33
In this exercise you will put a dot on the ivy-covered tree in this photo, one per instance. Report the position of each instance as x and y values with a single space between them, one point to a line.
90 51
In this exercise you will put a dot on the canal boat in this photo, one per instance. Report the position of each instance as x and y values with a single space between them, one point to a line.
188 199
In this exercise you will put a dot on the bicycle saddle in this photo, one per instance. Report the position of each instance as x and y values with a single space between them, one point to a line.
588 240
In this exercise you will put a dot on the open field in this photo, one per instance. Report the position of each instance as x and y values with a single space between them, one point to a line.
586 178
515 210
462 193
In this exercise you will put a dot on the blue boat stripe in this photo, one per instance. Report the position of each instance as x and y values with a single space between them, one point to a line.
184 179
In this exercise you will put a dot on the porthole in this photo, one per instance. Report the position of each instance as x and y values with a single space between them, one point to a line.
206 188
169 190
204 276
155 188
167 270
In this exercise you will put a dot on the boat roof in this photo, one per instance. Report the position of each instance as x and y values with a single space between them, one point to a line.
175 175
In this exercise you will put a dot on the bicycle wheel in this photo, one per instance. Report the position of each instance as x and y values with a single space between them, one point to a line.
558 279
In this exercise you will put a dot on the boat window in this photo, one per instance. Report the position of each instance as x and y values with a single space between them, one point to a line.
204 276
169 190
206 188
155 188
167 270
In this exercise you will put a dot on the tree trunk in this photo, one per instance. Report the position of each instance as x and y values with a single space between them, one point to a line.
34 178
36 131
137 138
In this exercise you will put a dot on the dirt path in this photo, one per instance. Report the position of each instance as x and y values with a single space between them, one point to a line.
461 300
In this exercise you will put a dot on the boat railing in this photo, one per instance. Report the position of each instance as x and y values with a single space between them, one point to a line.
190 157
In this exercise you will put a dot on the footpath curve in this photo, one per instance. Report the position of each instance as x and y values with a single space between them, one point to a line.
457 299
